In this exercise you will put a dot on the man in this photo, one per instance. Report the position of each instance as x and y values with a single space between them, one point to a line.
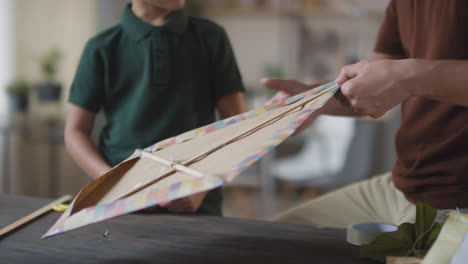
420 62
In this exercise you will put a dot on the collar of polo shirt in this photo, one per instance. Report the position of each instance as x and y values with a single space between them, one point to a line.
136 28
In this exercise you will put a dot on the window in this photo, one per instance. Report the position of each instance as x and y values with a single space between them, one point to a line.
6 50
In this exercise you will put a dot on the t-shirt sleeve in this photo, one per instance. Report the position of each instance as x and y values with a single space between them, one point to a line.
227 77
87 88
388 39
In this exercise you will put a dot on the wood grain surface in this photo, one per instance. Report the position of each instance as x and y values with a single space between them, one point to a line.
146 238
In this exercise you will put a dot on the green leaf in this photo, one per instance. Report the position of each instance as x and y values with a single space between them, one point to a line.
382 246
397 243
18 87
405 233
425 217
49 63
433 235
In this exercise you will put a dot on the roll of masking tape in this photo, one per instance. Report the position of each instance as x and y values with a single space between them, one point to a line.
364 233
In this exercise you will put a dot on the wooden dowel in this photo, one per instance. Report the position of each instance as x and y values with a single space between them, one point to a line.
235 138
173 165
33 215
403 260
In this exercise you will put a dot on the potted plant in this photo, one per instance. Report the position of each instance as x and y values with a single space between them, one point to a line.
18 92
50 89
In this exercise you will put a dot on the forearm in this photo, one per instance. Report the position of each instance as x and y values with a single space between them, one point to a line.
441 80
231 105
85 153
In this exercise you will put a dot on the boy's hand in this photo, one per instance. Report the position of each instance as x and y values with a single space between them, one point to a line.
188 204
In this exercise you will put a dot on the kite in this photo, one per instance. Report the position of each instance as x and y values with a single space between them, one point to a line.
198 160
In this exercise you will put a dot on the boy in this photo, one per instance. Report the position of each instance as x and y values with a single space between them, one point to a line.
155 75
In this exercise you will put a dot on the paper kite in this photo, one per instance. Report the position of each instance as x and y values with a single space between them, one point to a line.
199 160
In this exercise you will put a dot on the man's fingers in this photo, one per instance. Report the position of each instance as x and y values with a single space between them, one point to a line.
166 204
339 96
347 89
289 86
181 206
342 99
349 72
279 96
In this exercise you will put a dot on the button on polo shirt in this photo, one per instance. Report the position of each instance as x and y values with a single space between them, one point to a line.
160 49
154 82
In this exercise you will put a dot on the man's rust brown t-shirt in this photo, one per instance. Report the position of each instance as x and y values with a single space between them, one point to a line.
432 142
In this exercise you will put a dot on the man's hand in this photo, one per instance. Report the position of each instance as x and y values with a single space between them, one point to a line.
188 204
285 87
374 87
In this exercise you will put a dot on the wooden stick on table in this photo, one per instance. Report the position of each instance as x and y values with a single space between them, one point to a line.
33 215
403 260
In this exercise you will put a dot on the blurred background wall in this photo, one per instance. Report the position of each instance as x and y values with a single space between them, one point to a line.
305 39
33 29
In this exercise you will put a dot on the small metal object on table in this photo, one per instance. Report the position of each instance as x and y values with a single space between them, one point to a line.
147 238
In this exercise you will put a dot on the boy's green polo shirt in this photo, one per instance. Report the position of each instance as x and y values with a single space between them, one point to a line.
154 82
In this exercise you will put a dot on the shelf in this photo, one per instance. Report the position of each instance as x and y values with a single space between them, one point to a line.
312 13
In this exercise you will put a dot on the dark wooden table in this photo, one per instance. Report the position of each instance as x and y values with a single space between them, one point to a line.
143 238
